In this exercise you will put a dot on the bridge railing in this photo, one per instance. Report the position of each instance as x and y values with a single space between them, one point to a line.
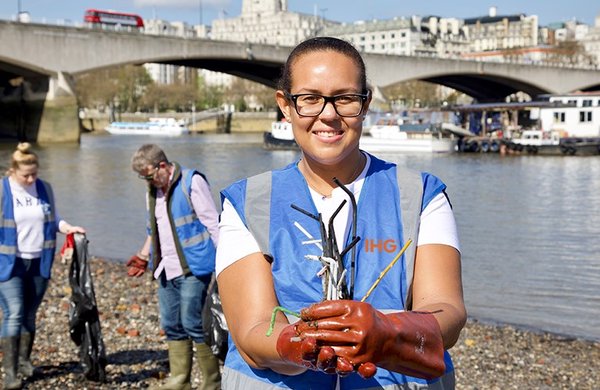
500 60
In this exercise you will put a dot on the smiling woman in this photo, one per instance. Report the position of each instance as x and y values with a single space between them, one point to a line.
270 228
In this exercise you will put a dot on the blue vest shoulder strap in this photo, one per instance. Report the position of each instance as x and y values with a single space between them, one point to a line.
410 183
258 209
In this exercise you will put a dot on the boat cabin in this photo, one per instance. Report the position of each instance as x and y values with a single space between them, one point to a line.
573 115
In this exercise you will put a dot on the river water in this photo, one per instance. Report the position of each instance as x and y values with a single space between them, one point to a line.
529 226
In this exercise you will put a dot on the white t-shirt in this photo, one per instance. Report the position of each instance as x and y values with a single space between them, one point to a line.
236 242
29 218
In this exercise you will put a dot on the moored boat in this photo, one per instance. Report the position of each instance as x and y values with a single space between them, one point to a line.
281 136
551 143
154 126
389 136
566 124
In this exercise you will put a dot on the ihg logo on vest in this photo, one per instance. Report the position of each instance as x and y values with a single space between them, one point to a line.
378 245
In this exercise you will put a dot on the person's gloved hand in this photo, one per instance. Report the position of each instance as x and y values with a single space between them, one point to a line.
406 342
136 266
304 352
301 352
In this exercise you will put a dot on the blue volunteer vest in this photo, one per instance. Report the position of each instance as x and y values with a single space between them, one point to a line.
192 239
8 230
388 213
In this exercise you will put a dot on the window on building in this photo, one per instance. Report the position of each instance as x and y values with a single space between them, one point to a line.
559 117
586 103
585 116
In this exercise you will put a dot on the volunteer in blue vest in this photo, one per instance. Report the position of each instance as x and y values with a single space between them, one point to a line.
28 226
182 237
270 254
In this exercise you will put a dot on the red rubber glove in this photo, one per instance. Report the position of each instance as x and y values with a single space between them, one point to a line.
301 352
406 342
136 266
66 252
304 352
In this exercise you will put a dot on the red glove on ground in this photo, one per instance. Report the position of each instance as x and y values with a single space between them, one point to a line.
136 266
406 342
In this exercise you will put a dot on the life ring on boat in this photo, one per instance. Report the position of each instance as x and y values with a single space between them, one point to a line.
564 149
494 147
485 146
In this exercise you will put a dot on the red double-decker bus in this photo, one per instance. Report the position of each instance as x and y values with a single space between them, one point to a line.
96 16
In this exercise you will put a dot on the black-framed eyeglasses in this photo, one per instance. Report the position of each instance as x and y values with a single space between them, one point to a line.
150 176
312 104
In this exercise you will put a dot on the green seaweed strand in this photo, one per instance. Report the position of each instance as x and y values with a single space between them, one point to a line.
275 310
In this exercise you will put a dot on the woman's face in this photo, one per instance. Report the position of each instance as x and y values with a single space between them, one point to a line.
327 138
25 175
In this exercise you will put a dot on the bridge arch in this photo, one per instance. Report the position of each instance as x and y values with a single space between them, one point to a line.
65 51
482 87
11 68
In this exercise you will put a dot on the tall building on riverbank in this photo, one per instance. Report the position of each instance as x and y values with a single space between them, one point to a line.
268 22
591 41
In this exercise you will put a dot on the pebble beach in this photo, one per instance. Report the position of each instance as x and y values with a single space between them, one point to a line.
487 356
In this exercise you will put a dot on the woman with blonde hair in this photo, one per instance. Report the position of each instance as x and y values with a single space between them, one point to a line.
28 226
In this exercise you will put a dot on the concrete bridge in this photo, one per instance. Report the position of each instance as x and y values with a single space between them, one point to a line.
37 64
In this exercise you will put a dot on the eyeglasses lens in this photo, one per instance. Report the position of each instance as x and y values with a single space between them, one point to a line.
313 105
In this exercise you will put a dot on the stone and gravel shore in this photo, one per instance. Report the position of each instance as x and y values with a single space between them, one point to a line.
486 356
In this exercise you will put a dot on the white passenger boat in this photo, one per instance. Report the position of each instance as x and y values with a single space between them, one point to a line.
389 136
281 136
154 126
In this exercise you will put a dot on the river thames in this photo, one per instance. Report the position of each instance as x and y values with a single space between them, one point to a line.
529 226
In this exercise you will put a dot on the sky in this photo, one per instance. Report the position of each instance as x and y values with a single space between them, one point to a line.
196 11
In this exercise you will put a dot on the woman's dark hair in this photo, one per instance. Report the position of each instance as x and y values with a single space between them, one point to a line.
322 44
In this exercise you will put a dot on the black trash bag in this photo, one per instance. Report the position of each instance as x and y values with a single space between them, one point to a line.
84 323
216 332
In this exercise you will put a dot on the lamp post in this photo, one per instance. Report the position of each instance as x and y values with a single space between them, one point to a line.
200 10
193 114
